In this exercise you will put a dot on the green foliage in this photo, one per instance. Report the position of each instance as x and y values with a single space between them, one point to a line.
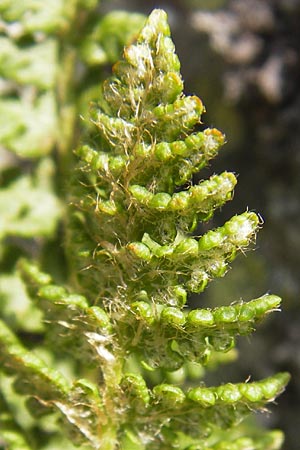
29 206
114 333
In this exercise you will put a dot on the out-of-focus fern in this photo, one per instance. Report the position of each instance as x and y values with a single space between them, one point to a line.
137 250
42 66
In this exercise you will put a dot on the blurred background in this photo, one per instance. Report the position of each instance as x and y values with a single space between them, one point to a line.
242 58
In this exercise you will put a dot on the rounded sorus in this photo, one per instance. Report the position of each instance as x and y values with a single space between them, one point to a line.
141 150
198 194
252 392
241 228
203 396
91 156
52 292
171 86
107 207
77 300
117 164
143 311
100 316
179 201
216 137
136 386
169 394
140 250
173 316
140 193
179 148
160 200
211 240
198 282
180 295
218 268
187 246
266 303
195 140
228 393
163 151
272 386
246 312
225 314
200 317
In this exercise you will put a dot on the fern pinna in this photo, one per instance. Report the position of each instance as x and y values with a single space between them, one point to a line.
134 248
